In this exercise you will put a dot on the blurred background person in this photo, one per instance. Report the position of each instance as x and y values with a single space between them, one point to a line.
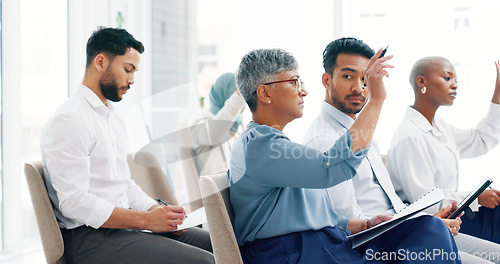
213 131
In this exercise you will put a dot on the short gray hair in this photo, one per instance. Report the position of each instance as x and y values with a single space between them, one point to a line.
259 67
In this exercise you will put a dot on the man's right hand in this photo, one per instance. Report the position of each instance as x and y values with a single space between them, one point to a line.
164 218
374 74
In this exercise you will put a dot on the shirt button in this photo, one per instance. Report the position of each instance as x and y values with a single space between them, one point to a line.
328 163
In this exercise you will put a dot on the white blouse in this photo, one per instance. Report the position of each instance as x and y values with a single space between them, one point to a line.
423 156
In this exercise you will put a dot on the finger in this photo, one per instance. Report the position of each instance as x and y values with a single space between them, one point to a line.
174 222
375 66
176 209
374 58
177 216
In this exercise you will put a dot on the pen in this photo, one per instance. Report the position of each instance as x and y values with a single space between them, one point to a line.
381 55
383 52
161 201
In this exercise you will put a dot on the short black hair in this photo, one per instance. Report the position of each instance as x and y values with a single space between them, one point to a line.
113 41
347 46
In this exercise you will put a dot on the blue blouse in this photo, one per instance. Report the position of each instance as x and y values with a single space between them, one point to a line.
277 186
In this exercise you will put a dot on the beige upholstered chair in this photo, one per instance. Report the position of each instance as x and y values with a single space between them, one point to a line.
220 216
52 241
191 177
150 176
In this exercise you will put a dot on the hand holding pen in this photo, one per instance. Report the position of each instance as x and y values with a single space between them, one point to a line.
381 56
161 201
374 74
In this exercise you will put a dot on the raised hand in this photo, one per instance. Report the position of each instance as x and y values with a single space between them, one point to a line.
496 93
374 74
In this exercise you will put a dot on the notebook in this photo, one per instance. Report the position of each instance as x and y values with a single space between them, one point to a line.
431 198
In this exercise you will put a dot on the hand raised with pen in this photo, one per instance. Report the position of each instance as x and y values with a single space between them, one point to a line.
164 218
374 74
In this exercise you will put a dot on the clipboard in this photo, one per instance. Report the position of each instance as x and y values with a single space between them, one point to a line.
465 203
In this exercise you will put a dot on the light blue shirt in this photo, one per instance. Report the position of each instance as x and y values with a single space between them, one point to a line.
277 186
368 194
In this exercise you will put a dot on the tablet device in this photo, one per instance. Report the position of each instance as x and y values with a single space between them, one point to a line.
464 204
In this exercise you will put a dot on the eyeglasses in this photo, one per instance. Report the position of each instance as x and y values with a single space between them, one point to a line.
298 83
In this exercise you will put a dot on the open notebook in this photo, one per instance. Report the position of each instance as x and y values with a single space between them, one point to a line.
429 199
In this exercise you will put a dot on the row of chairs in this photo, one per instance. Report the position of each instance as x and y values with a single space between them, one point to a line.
214 191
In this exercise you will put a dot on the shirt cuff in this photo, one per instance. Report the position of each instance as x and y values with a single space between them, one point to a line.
493 112
343 222
143 204
235 103
100 214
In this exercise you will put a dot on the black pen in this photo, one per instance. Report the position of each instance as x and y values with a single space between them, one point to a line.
383 52
161 201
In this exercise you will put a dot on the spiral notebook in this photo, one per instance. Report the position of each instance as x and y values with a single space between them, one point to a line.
431 198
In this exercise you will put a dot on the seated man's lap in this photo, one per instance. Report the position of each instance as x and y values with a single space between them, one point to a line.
88 245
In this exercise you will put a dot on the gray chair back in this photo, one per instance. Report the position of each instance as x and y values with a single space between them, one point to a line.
215 194
191 177
52 241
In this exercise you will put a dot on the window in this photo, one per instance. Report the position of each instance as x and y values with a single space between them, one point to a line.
452 29
36 55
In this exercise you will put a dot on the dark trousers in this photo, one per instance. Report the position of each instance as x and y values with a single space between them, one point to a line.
425 239
88 245
485 225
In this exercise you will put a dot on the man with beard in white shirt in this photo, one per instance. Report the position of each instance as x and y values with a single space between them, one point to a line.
100 209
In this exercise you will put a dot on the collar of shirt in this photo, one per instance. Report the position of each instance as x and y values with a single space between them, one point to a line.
421 122
336 114
94 101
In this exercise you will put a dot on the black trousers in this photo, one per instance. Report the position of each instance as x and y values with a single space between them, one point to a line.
88 245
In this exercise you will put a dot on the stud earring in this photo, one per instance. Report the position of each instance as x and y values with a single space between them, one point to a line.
423 90
269 101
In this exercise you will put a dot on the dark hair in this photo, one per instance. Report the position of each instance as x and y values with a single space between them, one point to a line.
113 41
346 46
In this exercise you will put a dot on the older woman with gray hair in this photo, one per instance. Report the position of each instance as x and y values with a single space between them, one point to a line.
282 212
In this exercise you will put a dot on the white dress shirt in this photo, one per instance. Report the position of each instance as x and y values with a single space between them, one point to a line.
374 193
84 158
423 156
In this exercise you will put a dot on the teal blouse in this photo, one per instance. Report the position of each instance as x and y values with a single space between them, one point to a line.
277 186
